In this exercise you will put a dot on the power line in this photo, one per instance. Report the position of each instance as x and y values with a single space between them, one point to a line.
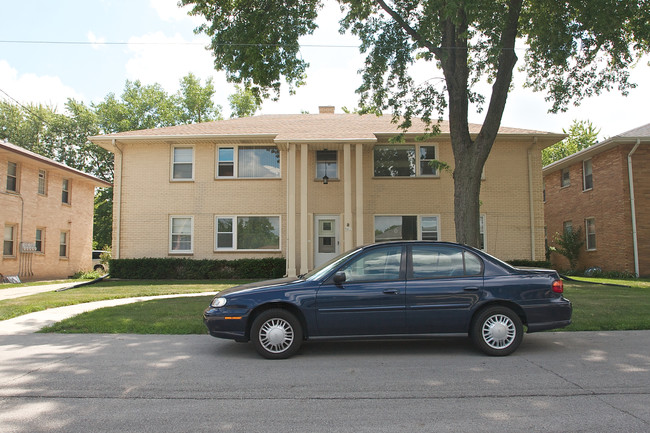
40 42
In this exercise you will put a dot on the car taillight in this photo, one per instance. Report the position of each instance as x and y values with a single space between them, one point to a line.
558 286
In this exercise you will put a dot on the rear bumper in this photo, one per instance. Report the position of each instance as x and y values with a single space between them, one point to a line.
553 315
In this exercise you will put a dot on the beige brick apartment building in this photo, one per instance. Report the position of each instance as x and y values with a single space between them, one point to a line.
309 186
605 190
46 213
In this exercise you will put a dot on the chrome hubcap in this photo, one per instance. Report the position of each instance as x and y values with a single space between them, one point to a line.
276 335
499 331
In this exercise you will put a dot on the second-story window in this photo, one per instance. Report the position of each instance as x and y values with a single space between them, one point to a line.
65 191
326 164
183 163
587 175
42 182
226 162
565 179
12 176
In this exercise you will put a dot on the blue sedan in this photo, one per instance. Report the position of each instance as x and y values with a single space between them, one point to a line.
394 290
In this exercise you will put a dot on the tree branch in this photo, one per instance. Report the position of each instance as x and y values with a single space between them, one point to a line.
410 30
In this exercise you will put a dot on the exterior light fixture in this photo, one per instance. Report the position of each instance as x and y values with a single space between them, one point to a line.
325 179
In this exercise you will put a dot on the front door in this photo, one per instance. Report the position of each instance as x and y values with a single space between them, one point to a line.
327 238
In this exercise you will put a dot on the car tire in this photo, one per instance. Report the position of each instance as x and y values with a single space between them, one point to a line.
276 334
497 331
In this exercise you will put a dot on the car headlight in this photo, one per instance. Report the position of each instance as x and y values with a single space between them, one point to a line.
218 302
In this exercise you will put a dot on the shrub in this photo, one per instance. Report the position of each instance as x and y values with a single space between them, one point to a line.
190 269
530 263
570 244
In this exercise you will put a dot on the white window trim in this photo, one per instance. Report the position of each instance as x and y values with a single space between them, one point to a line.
16 177
67 244
584 176
69 191
14 233
587 233
437 217
171 165
171 225
234 233
234 162
419 160
38 185
418 169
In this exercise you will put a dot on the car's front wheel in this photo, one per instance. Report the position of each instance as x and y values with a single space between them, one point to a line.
276 334
497 331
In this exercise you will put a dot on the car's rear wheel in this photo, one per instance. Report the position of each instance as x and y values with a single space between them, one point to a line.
497 331
276 334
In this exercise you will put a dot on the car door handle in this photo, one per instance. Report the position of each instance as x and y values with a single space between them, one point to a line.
391 292
471 289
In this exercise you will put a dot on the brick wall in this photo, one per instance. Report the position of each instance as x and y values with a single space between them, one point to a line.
608 203
27 211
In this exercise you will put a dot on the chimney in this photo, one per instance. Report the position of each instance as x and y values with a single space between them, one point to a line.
326 109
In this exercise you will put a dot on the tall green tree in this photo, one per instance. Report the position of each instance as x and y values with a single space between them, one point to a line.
581 134
574 49
196 100
243 102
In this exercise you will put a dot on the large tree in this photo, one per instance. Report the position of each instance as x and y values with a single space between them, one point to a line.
574 48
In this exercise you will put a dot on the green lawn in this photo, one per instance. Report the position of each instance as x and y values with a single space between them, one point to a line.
111 289
595 307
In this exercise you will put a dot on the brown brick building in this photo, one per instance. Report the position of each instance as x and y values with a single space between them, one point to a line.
309 186
605 190
46 214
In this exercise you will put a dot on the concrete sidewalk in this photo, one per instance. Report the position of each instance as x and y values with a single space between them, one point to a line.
33 322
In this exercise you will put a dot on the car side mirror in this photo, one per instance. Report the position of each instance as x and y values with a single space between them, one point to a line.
339 278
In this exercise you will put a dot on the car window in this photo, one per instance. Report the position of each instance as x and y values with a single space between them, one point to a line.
375 265
433 261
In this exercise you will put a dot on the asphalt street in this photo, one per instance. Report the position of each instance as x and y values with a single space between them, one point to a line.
555 382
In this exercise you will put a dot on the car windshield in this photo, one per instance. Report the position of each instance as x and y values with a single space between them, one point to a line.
326 268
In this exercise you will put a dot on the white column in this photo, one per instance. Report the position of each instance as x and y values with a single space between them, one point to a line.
359 193
347 197
291 212
304 240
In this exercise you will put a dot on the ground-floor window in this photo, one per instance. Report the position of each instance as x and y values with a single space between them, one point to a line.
9 241
247 233
590 233
181 233
64 240
406 227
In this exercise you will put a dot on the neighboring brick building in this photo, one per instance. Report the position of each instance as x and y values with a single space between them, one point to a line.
46 213
306 187
591 190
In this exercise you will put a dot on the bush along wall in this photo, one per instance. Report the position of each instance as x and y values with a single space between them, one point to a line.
530 263
190 269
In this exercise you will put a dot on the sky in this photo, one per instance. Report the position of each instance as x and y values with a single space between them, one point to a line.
52 50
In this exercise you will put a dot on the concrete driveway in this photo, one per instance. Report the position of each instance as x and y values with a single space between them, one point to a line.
555 382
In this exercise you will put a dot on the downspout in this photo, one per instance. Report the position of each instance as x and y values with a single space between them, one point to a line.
531 199
118 220
633 207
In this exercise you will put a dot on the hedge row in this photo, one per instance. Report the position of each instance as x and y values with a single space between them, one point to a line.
530 264
190 269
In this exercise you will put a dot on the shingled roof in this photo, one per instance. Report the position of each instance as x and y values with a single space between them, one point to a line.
299 128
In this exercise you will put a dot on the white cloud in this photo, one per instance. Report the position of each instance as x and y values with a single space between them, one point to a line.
168 10
157 58
96 42
30 88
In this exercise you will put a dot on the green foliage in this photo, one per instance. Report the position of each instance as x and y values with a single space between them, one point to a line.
172 268
530 263
196 101
87 275
581 135
574 49
569 244
243 102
